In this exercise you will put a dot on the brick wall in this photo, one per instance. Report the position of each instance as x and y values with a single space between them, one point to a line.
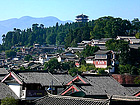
125 79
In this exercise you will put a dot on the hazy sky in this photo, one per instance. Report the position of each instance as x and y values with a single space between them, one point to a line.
68 9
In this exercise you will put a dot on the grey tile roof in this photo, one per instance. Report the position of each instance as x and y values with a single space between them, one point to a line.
67 89
84 79
92 90
45 79
63 78
134 46
1 77
105 84
67 100
102 52
6 91
135 40
126 98
3 71
133 90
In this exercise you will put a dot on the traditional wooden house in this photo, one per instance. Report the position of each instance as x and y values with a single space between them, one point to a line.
68 100
94 86
75 49
67 56
134 41
126 38
32 85
102 58
90 60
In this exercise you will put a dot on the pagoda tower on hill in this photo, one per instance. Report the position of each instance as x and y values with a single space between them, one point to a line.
81 18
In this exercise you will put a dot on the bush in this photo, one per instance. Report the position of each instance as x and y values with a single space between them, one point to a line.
101 71
10 53
128 69
73 71
9 101
28 58
137 80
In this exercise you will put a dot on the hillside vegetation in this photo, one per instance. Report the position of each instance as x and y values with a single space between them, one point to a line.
70 33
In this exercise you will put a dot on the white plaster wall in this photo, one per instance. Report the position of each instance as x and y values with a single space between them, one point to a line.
88 61
59 59
101 66
16 88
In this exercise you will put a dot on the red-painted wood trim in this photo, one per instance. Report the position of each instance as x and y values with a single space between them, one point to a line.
75 89
5 77
82 80
16 79
137 95
11 74
76 78
66 91
72 81
72 87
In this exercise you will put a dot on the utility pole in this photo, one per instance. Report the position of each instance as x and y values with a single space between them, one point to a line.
52 88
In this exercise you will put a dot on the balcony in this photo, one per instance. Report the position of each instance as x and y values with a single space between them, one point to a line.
33 93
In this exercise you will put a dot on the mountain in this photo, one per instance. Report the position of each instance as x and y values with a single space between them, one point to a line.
26 22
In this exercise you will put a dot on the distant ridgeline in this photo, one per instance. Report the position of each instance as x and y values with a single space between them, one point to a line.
70 33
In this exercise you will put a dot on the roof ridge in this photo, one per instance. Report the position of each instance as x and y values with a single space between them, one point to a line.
54 77
17 76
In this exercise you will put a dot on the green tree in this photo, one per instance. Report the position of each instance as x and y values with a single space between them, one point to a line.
65 66
137 80
28 58
73 71
52 65
137 35
101 71
10 53
128 69
60 38
22 68
124 56
121 46
9 101
51 39
89 50
135 25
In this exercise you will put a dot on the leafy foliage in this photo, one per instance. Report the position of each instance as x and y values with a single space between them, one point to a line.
73 71
137 35
10 53
101 71
9 101
89 50
128 69
53 65
137 80
28 58
71 33
120 46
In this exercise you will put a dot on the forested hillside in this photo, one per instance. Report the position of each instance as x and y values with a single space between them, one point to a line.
71 33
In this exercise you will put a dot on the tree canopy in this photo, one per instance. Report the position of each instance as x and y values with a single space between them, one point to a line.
71 33
10 53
